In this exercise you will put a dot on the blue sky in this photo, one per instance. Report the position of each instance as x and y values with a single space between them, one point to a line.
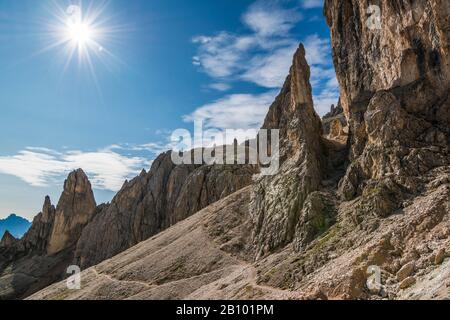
156 66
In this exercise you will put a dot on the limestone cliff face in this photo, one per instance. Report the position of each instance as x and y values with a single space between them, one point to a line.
410 47
75 209
395 85
278 200
153 202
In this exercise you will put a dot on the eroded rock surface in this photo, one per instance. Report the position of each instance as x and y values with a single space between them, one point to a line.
335 124
395 85
75 209
279 199
155 201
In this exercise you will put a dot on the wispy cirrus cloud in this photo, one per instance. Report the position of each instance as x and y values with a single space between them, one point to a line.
310 4
41 167
270 70
221 55
263 56
267 18
244 113
220 86
323 76
258 56
235 111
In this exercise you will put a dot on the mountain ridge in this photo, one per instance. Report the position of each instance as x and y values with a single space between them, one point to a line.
15 224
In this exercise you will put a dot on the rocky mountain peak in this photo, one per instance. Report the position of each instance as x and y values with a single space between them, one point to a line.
293 110
301 92
77 183
8 240
48 210
75 209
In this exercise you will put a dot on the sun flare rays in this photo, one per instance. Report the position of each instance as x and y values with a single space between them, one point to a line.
82 34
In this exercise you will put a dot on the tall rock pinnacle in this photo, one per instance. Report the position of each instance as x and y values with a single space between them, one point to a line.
75 208
278 200
37 237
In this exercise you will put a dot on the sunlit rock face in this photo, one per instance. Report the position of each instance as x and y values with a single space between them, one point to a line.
311 237
409 46
335 124
75 209
395 84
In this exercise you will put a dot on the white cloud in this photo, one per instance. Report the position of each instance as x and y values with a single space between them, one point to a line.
323 76
264 62
264 56
258 56
41 167
236 111
318 50
270 70
310 4
266 18
220 56
220 86
33 167
324 99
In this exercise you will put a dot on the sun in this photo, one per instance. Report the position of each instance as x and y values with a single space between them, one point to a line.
79 33
79 30
82 34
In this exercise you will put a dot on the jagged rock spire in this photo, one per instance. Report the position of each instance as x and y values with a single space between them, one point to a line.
8 240
293 110
278 200
75 208
37 237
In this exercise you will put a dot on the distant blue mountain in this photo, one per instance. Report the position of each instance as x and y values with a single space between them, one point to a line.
16 225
